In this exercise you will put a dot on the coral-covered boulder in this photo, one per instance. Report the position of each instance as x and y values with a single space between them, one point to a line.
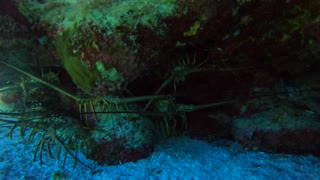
103 45
120 137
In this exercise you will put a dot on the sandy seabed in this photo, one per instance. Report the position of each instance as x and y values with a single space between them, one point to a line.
179 158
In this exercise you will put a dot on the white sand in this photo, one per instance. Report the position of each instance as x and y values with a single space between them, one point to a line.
179 158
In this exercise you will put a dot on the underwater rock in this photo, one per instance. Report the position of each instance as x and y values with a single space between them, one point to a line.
120 137
10 101
103 45
280 130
